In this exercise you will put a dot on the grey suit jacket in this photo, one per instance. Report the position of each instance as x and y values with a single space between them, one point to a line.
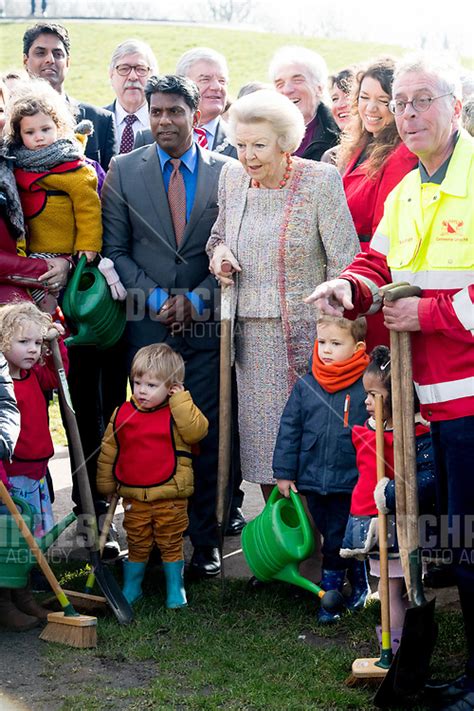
221 142
139 238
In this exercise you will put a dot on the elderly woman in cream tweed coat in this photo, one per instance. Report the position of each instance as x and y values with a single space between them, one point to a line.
283 225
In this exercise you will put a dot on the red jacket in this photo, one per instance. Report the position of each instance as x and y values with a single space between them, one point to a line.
11 263
34 446
363 438
366 196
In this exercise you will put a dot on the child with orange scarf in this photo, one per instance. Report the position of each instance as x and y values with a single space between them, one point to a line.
314 453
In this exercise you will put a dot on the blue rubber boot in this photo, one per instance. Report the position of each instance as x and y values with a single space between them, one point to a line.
360 590
133 574
331 580
175 592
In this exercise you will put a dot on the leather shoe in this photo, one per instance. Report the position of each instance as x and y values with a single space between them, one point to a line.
235 523
205 562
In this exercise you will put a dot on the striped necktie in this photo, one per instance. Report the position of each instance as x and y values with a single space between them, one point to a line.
201 137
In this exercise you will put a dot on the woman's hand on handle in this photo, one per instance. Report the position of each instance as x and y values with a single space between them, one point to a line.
285 486
332 297
219 265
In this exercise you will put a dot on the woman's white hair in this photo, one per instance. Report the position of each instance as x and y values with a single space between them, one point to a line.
200 54
442 66
267 105
317 71
134 46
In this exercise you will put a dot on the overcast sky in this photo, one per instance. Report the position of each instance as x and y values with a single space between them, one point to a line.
397 21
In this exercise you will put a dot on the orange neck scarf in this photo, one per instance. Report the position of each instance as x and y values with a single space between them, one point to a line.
338 376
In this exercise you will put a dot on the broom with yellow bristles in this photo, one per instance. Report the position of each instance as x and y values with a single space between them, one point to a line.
66 627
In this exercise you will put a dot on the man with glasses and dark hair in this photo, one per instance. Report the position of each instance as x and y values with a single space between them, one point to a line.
46 50
132 64
426 238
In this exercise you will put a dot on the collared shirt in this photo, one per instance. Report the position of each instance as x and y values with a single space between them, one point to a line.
188 169
440 174
120 115
211 129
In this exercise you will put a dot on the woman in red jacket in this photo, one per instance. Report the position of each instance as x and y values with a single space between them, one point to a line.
372 160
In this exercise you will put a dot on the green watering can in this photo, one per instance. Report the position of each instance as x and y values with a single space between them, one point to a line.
278 540
16 559
99 319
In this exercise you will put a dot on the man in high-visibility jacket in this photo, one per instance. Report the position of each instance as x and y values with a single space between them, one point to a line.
426 237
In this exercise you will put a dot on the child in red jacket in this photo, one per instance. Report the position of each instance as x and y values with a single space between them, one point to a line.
361 537
23 328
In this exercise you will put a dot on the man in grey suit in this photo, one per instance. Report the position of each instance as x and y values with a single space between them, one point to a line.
208 69
160 257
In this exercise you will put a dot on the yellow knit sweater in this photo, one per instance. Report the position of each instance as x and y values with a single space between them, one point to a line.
71 222
189 427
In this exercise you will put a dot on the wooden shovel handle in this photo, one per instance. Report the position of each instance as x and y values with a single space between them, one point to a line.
382 518
108 522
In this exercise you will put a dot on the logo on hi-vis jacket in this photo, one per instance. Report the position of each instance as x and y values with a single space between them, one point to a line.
452 228
452 231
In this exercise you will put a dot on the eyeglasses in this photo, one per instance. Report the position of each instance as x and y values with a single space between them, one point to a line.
124 69
420 104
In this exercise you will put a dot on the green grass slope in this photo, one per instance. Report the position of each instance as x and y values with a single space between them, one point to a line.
248 53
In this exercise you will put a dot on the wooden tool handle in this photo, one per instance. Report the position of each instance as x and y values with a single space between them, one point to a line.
29 538
382 521
108 522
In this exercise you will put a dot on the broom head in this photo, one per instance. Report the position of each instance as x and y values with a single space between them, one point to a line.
79 631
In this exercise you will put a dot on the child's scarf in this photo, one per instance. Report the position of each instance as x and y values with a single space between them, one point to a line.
337 376
63 150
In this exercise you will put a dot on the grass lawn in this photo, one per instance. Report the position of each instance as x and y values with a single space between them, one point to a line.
239 650
248 53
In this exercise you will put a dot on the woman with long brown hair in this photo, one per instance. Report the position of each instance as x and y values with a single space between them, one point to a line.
372 160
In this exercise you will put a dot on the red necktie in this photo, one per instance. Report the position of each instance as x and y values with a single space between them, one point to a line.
128 138
201 137
177 200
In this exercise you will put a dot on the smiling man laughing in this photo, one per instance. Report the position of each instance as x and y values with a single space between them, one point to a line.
301 75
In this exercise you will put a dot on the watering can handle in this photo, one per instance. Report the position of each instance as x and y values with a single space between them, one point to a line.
305 525
306 529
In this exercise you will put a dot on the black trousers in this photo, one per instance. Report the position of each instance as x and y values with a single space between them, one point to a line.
330 514
98 384
453 446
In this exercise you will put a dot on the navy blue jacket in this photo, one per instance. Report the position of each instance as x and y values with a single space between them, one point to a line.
313 446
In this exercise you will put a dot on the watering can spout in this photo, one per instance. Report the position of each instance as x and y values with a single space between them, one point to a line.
290 574
49 538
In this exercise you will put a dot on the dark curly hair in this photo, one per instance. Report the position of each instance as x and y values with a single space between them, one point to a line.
379 366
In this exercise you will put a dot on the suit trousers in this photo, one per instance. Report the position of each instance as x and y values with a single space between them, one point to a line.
202 381
162 522
98 384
